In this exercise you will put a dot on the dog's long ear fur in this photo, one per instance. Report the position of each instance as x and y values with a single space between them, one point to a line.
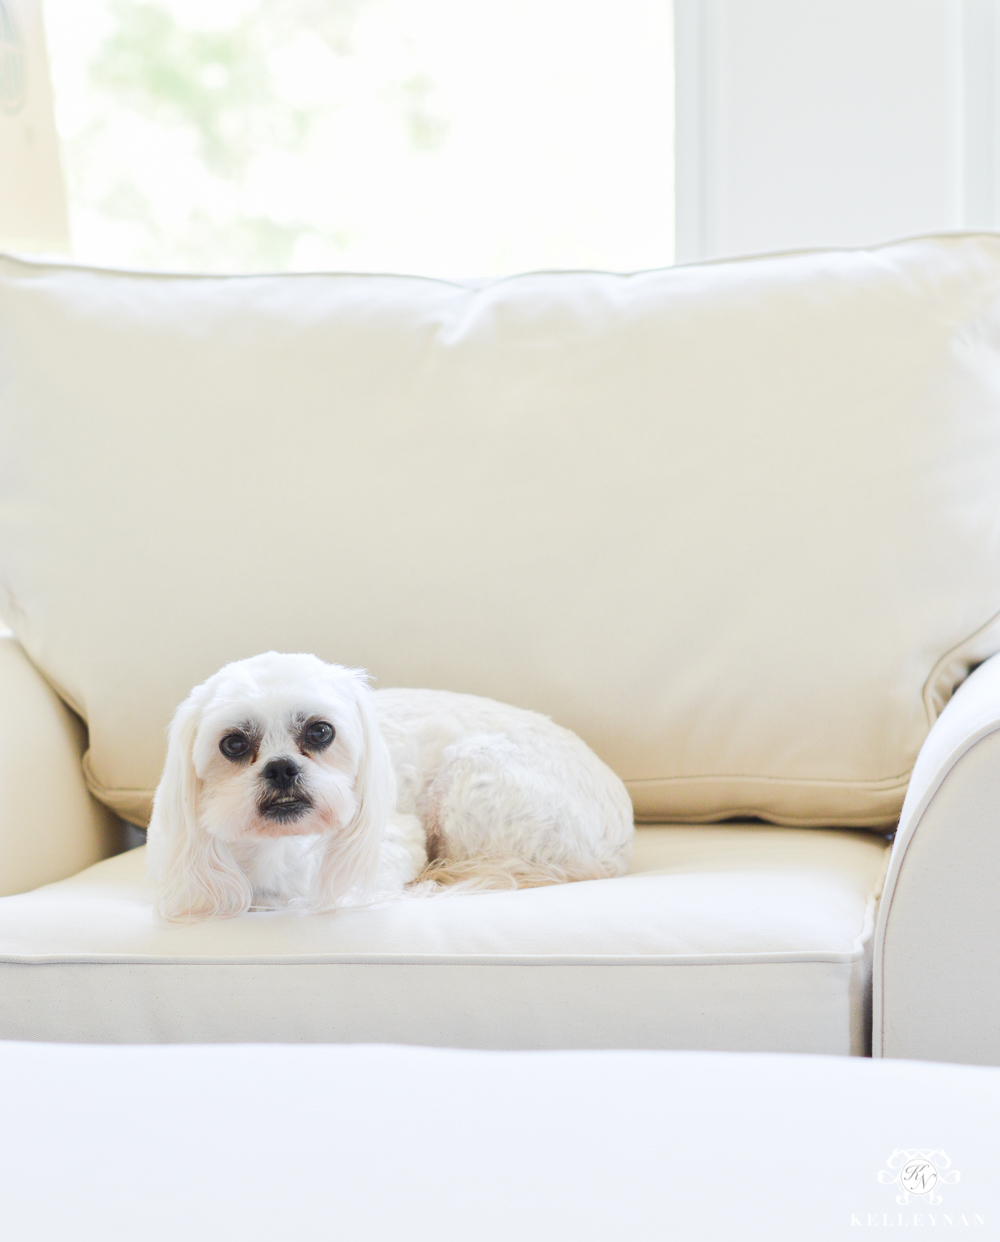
196 874
350 858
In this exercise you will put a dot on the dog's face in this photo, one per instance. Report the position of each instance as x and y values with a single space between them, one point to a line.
278 747
273 746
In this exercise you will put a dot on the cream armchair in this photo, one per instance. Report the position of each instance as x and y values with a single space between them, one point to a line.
735 524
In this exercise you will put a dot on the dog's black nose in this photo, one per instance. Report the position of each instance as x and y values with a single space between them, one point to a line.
280 773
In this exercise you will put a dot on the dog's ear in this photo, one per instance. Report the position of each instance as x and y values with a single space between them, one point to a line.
196 873
350 858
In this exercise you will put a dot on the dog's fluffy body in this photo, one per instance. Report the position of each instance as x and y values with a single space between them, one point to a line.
289 782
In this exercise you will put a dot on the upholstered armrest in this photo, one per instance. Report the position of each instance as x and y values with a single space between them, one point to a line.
936 984
50 825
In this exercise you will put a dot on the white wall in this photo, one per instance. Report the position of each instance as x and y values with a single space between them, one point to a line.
832 122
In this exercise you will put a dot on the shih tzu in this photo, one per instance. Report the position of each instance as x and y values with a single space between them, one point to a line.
290 783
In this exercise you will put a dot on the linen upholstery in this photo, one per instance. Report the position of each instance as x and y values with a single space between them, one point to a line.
735 524
730 937
935 988
50 825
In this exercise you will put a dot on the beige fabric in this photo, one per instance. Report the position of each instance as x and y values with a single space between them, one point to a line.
936 996
734 524
50 826
730 937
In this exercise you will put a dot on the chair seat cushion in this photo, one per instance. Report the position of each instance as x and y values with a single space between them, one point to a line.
732 937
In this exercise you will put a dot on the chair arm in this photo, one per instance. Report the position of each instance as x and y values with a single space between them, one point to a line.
936 979
50 825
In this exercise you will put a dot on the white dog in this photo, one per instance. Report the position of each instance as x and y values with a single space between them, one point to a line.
289 782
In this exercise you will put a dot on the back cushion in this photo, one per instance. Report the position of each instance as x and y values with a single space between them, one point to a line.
738 525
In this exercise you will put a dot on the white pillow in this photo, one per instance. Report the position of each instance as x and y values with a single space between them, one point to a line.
737 524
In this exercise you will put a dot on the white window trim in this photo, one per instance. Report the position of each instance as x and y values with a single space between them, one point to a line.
972 167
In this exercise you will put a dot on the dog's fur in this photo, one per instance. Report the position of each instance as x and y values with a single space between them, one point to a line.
333 792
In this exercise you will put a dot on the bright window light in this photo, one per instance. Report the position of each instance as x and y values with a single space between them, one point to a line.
443 137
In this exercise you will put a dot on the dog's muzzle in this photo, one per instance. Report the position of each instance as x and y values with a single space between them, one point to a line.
284 798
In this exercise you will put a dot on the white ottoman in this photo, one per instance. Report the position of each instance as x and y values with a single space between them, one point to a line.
279 1142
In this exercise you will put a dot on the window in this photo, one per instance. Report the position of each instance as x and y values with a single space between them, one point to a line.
445 137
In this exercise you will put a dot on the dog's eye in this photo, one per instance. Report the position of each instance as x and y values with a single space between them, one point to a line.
235 746
318 735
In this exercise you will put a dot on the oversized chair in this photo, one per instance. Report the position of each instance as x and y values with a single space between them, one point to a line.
736 524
